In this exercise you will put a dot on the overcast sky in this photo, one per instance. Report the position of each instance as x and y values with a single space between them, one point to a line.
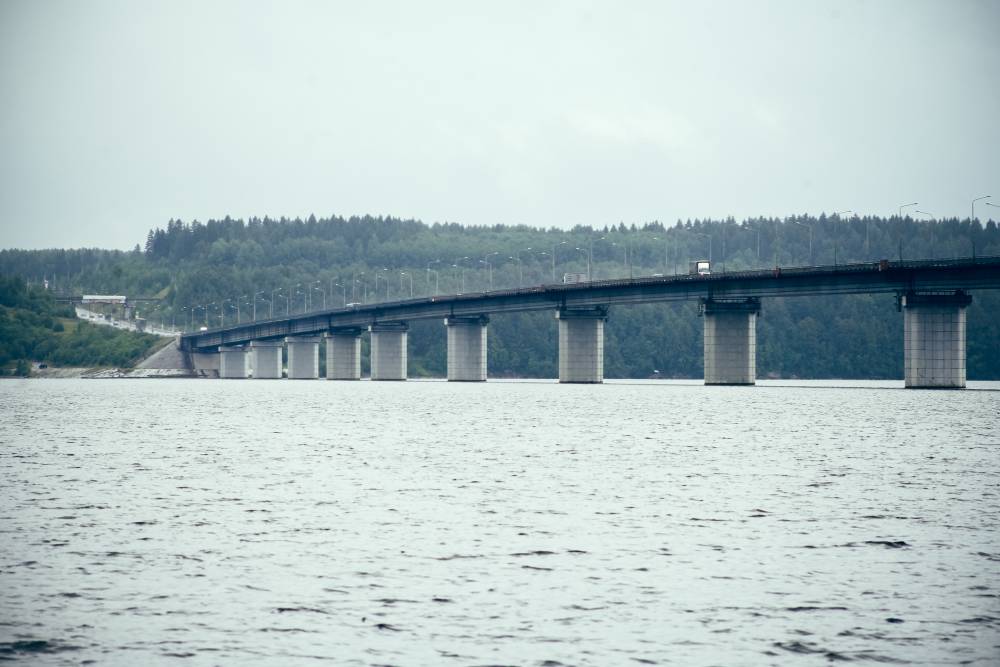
117 116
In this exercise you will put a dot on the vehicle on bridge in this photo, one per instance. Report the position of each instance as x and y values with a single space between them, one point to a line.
701 267
573 278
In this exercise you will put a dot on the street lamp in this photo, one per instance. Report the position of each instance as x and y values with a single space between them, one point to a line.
255 295
810 228
520 267
974 205
901 207
459 265
408 275
270 311
489 267
437 281
318 286
836 235
587 253
554 246
666 252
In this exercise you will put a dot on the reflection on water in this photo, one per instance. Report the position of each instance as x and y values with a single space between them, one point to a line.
527 523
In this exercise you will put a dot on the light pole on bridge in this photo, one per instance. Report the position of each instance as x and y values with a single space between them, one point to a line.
973 219
836 234
901 207
810 228
437 281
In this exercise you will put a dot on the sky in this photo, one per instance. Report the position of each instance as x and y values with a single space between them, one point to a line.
118 116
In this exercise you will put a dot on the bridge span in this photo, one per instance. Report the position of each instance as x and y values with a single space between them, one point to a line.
933 294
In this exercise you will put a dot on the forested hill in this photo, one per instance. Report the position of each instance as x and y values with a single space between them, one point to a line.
223 269
33 327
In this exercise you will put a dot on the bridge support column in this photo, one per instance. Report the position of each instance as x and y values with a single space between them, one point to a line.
388 350
303 357
731 341
343 354
934 340
205 364
581 344
265 357
467 348
232 362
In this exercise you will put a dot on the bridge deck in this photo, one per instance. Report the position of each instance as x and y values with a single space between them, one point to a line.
865 278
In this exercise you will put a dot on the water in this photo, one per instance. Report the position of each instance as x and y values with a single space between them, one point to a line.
512 523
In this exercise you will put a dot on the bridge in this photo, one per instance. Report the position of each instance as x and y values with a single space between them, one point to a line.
933 294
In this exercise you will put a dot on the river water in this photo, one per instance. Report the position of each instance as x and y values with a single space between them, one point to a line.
208 522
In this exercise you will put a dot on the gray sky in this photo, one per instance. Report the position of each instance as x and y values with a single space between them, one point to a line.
117 116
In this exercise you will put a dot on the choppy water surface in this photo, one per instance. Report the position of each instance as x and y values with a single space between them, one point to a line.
427 523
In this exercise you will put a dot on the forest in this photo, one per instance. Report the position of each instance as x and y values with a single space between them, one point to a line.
229 270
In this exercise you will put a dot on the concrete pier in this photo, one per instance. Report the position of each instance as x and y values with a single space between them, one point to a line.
303 357
581 345
343 354
731 341
467 348
934 340
389 350
232 362
205 363
265 357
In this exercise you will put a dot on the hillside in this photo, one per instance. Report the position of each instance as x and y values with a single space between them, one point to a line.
221 270
33 327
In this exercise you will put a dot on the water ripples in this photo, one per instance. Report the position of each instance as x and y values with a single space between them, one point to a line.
507 523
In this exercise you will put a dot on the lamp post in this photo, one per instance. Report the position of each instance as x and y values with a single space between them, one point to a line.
974 205
461 267
255 295
810 228
554 246
318 286
520 267
836 235
409 275
436 276
666 252
489 267
901 207
587 253
270 311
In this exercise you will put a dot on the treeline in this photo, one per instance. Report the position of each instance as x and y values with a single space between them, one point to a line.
34 327
223 270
